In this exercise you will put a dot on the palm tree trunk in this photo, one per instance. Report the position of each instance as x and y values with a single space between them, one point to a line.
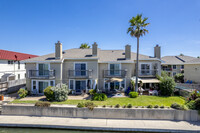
136 81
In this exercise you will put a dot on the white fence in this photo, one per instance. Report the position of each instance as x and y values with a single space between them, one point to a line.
12 86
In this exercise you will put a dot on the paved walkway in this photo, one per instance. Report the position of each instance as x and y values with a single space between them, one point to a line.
43 98
98 124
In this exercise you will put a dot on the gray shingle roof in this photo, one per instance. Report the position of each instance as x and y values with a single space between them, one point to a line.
103 55
194 61
178 59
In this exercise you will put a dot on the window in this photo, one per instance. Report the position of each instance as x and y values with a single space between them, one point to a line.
18 76
174 73
71 84
145 68
174 66
10 62
114 69
18 65
182 66
34 85
25 75
89 84
80 69
43 69
51 83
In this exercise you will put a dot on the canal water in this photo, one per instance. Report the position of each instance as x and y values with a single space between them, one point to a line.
29 130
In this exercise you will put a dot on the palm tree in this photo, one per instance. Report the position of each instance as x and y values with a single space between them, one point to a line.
84 46
137 30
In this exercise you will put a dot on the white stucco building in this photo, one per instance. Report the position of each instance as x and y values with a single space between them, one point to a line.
11 65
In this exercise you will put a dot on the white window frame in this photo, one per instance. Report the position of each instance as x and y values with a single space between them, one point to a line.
80 63
37 65
150 66
183 66
173 67
119 68
80 80
73 83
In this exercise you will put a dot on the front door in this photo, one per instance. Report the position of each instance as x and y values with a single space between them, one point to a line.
114 85
80 85
42 85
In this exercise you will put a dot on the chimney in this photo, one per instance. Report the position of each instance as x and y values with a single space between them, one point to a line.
94 49
128 52
58 50
157 53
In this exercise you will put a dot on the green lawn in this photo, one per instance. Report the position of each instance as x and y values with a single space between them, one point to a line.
139 101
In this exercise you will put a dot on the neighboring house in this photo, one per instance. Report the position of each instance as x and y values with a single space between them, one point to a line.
11 67
84 69
175 64
192 70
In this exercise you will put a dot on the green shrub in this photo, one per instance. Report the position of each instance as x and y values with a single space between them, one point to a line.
194 95
104 106
132 85
197 104
99 97
167 86
156 106
90 105
111 106
162 107
142 106
61 92
124 106
150 106
92 92
42 104
179 77
191 104
136 106
129 106
117 106
22 93
80 105
133 94
49 93
178 106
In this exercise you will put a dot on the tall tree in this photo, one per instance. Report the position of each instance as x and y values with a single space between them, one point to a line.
84 46
137 30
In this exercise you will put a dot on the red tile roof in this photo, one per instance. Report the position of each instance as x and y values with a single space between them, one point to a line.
10 55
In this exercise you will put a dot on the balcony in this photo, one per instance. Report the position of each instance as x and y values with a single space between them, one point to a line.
147 73
115 73
167 69
81 74
45 74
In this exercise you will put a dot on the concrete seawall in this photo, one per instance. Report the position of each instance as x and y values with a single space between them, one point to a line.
102 113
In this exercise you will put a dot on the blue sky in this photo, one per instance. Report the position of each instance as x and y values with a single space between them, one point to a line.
33 26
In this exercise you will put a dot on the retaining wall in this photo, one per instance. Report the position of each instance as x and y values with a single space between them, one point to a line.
109 113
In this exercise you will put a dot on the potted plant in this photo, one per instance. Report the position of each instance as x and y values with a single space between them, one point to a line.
1 97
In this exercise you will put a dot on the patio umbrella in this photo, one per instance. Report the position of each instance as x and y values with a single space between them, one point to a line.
114 80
